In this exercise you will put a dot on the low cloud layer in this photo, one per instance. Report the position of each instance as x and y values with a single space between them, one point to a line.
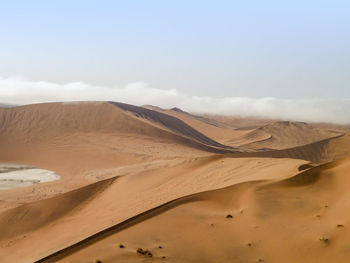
21 91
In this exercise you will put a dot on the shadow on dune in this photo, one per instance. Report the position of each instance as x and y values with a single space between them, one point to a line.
171 123
224 196
35 215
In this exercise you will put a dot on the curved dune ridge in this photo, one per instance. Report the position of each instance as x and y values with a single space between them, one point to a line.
132 194
32 123
221 132
258 211
285 134
169 122
318 152
35 215
57 118
145 184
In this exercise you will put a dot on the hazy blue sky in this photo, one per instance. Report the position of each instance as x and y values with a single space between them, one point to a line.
284 49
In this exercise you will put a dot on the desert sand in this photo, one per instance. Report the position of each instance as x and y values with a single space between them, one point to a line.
144 184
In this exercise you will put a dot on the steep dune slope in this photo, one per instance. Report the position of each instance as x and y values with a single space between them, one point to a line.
74 139
239 122
225 133
250 137
25 130
273 135
323 151
134 193
42 121
179 113
100 130
36 215
268 222
219 131
141 177
79 139
171 123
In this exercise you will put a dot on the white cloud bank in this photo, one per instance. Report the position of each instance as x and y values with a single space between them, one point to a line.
21 91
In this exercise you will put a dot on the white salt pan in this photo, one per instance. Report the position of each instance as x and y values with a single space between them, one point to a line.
25 177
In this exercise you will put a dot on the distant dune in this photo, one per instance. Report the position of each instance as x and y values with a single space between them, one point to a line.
286 134
143 184
5 105
170 123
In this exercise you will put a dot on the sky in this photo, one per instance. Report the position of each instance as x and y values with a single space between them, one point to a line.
292 52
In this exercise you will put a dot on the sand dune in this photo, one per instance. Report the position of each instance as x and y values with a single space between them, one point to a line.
52 119
170 123
285 134
264 216
250 137
179 113
175 185
318 152
272 135
36 215
145 189
75 139
239 122
221 132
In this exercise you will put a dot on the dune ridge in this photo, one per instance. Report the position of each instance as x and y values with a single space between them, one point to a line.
171 123
32 216
221 196
249 201
128 170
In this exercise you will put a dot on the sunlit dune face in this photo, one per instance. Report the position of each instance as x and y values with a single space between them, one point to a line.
124 183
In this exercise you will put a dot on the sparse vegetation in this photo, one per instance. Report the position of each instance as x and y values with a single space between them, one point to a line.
145 252
324 240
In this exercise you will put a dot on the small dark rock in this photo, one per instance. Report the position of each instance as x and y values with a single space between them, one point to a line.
229 216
